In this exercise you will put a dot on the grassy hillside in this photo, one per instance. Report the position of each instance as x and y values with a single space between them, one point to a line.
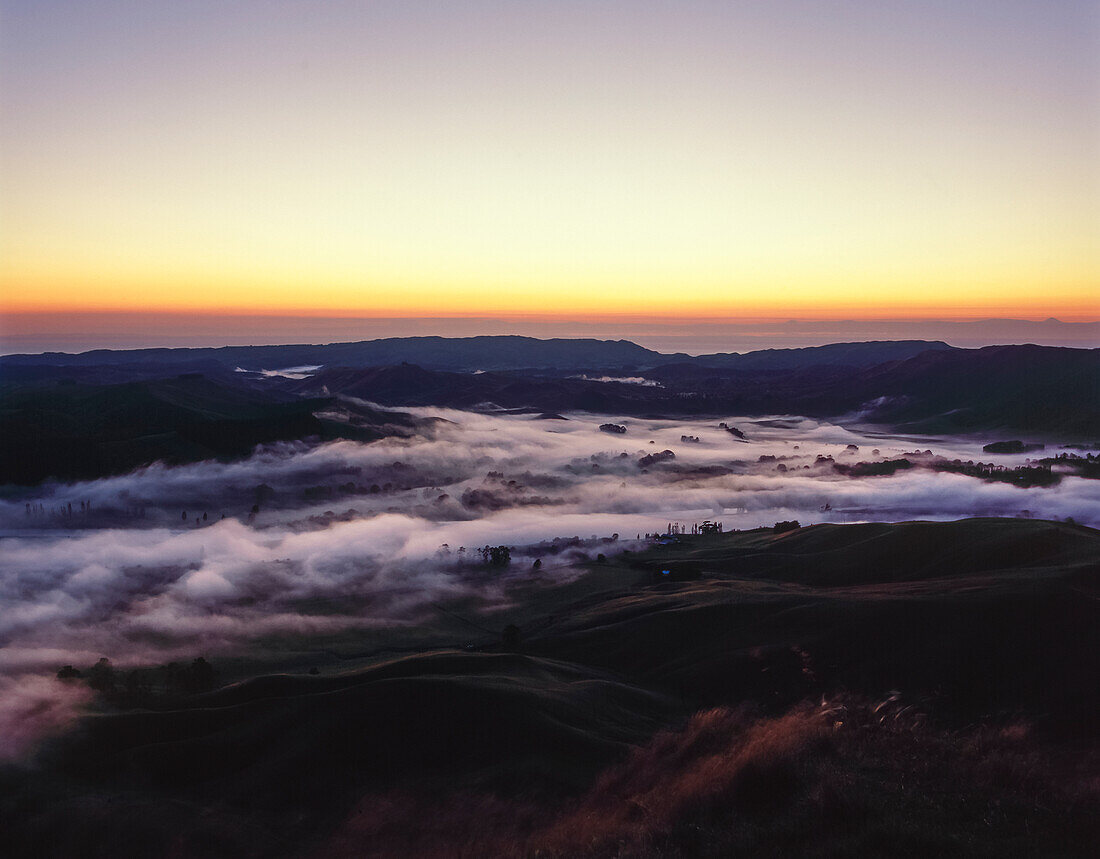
981 615
913 689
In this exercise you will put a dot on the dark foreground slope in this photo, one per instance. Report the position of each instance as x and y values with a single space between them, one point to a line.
914 689
981 615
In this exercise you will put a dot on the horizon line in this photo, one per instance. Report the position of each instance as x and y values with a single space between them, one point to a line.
564 316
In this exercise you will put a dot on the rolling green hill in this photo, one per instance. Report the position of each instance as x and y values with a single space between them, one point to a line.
912 689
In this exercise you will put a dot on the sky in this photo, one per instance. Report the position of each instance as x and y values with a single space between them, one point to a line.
549 159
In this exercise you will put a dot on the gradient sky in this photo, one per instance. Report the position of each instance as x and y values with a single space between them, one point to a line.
551 157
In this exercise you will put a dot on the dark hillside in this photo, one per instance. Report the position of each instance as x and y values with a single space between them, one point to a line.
16 376
1019 387
983 614
409 385
920 386
1003 388
72 430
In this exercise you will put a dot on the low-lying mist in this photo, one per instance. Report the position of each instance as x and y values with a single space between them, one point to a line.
309 541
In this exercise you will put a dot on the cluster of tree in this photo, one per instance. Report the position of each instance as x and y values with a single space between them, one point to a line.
141 685
734 431
654 458
61 511
884 468
1087 466
1014 446
323 492
495 556
504 495
1021 475
510 637
786 525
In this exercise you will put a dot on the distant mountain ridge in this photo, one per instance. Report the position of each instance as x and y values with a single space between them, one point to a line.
458 353
1027 388
478 353
95 417
862 354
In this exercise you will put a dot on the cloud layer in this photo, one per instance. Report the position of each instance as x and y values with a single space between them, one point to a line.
313 542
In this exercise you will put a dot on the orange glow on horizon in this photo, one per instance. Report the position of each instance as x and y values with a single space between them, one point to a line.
620 303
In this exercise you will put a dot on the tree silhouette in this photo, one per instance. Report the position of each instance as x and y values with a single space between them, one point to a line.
101 676
192 679
138 686
200 676
497 556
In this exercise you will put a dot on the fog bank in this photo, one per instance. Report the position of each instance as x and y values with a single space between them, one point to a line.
315 542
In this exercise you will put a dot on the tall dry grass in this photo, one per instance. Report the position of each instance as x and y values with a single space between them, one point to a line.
829 778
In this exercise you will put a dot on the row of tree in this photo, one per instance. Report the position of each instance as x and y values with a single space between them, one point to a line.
140 685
